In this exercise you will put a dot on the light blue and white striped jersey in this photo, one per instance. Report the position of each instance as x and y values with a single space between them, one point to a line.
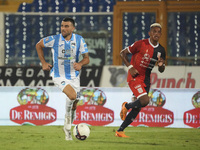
65 53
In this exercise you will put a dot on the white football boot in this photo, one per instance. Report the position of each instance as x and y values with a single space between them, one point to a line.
68 135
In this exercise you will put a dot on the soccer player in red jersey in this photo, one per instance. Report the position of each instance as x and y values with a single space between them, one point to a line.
145 54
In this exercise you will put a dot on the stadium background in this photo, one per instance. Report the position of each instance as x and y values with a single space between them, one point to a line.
107 26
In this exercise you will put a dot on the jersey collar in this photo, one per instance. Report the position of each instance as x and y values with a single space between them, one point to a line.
63 39
152 44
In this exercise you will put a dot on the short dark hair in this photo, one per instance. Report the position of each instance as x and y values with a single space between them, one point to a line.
70 20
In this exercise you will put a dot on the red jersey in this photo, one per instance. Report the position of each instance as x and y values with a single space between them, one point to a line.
144 57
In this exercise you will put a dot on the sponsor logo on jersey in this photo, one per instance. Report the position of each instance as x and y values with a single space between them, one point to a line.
61 45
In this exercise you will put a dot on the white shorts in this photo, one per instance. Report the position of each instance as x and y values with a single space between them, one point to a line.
61 83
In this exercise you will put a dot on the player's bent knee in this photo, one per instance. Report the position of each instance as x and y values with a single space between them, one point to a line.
72 97
144 100
70 92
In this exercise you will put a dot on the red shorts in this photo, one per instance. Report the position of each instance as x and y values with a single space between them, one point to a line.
137 86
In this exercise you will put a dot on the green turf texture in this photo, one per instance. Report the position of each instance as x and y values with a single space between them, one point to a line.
101 138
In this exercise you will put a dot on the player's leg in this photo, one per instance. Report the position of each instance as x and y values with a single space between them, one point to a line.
140 91
136 107
71 102
75 84
128 120
70 92
142 100
74 106
70 89
71 96
133 114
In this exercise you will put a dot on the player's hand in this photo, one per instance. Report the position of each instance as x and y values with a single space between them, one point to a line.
77 66
46 66
160 61
133 72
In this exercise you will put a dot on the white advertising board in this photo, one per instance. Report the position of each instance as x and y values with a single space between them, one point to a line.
172 77
176 77
179 108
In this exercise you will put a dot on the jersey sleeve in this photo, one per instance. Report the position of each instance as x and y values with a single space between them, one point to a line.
163 54
49 41
83 46
134 48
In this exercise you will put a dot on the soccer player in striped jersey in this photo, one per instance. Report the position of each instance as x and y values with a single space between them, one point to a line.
66 48
145 54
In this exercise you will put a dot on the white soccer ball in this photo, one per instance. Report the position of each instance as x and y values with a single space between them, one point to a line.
81 131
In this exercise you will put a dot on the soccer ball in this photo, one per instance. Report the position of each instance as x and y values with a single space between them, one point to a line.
81 131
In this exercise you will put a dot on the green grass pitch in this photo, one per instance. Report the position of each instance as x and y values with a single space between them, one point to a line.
101 138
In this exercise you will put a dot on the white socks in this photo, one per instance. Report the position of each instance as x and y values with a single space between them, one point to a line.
70 114
73 116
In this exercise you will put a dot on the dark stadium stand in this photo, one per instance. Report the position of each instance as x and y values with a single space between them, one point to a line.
68 6
183 32
23 31
25 7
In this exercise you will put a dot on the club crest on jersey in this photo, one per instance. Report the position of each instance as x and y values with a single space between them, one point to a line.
73 44
63 82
